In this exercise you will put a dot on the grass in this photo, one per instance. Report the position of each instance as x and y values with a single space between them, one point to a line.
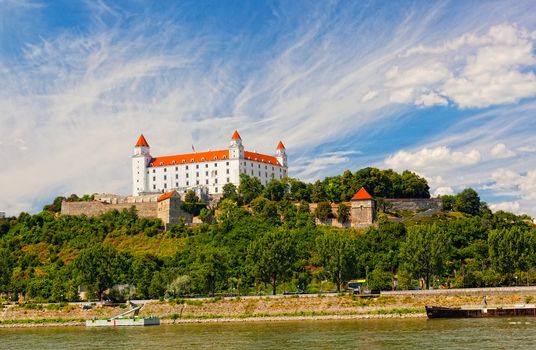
41 321
160 245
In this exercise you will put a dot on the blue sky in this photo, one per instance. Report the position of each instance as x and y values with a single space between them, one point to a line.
446 89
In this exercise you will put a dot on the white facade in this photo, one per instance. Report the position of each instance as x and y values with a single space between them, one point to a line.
209 170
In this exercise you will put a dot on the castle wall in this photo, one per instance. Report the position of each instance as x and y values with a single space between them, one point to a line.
359 217
415 204
96 208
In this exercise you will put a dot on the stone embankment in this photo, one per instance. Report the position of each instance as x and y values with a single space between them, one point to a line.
248 309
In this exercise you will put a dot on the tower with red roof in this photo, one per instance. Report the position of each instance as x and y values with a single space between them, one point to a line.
363 209
281 154
140 161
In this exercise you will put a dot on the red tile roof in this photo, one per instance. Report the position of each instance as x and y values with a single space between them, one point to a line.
209 157
361 194
189 158
142 142
236 136
165 196
262 158
280 145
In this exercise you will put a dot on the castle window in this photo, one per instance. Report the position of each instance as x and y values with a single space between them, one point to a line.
176 184
187 175
215 189
206 182
215 172
202 159
227 171
154 178
270 161
165 177
266 167
197 182
154 171
165 185
176 168
228 180
184 161
147 171
197 166
206 173
161 163
272 168
216 180
154 187
259 166
176 176
215 165
245 164
187 167
215 157
165 169
251 164
227 163
187 183
206 165
224 157
197 174
173 162
192 160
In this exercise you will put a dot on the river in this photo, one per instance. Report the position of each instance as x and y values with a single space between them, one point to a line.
498 333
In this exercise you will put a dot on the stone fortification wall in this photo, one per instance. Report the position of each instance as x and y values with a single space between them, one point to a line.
415 204
95 208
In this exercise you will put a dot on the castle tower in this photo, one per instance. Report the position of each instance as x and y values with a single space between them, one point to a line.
236 149
140 160
363 209
281 154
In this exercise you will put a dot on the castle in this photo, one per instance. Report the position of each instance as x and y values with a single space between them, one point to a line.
158 183
204 172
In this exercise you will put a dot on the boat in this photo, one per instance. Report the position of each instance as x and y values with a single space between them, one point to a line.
481 311
124 319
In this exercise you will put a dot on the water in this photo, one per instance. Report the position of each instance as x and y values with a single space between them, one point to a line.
495 333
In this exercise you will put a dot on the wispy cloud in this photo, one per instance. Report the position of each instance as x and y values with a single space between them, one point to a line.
75 100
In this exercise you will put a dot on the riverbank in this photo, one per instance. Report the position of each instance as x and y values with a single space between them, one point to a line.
323 307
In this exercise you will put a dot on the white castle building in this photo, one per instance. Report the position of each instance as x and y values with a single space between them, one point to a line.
205 172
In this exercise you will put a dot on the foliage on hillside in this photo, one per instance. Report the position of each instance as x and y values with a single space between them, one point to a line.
258 240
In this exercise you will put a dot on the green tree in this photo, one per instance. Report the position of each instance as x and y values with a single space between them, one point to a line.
343 213
249 188
467 202
272 257
98 268
448 202
275 190
425 250
323 211
230 192
511 250
180 286
336 256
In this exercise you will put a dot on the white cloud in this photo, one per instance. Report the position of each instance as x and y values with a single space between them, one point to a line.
528 149
370 95
427 158
431 99
441 191
473 71
501 151
512 207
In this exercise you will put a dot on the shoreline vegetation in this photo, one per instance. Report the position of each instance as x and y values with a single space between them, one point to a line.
262 309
